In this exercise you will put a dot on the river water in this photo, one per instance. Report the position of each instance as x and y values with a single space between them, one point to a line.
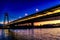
35 34
38 34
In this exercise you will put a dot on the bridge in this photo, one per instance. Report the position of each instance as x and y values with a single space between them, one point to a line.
49 16
43 19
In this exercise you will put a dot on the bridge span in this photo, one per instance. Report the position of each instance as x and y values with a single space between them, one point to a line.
48 17
43 19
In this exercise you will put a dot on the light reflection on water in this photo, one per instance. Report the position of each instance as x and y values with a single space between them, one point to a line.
4 34
43 34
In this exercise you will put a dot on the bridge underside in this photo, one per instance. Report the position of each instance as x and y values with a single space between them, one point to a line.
33 23
50 19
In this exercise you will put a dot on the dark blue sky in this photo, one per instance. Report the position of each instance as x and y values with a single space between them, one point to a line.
17 8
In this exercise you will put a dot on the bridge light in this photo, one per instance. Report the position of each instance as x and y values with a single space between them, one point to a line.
37 10
19 16
26 14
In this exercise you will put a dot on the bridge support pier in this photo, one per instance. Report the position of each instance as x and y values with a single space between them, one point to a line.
32 31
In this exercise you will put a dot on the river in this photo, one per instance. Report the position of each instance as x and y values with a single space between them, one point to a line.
35 34
38 34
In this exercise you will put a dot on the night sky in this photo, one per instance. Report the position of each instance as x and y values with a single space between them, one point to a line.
18 8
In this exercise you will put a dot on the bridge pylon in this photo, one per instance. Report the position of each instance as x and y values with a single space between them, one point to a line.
6 20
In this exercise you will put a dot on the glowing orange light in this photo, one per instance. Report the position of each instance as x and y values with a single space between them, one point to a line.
46 22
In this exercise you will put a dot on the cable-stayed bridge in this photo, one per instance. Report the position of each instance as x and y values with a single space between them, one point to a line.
46 17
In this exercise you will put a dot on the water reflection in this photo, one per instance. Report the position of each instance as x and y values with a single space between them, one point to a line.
4 34
32 34
39 34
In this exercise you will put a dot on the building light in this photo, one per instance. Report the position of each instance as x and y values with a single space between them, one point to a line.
25 24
